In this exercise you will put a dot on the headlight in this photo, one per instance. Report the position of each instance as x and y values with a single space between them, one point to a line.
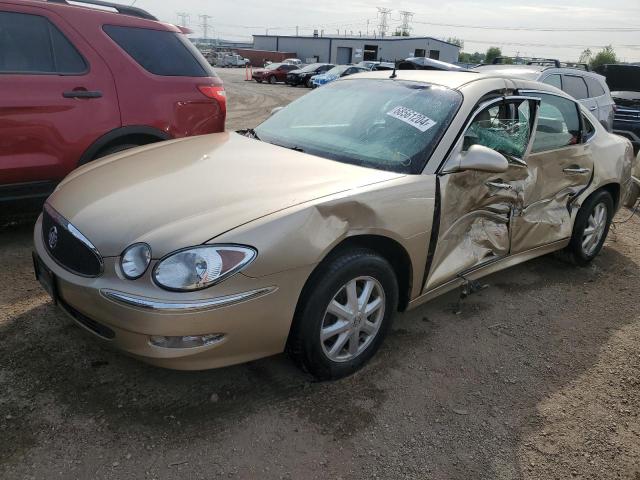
135 260
196 268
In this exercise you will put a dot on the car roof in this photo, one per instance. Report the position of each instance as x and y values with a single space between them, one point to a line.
102 13
456 80
532 72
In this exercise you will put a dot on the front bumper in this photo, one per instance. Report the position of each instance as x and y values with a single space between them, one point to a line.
253 314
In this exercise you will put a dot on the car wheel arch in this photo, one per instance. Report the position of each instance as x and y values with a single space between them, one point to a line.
614 191
388 248
139 135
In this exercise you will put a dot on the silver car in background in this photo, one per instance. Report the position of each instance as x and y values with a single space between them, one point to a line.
589 88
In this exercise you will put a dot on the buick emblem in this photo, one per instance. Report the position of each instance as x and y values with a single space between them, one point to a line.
53 237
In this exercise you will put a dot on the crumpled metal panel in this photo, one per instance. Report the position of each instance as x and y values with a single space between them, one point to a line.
548 193
474 223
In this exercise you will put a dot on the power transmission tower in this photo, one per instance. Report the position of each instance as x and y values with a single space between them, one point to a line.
205 24
383 26
183 19
405 28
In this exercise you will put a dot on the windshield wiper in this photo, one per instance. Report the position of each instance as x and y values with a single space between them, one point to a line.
250 133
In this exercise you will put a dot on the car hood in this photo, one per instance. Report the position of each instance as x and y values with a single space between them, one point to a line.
184 192
621 78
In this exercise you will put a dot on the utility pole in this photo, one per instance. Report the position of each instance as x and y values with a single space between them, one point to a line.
367 27
183 19
205 24
383 26
297 30
405 28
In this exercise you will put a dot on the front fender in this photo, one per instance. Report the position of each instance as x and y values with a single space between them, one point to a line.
400 209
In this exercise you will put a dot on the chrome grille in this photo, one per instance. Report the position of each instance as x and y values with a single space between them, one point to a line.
68 246
624 114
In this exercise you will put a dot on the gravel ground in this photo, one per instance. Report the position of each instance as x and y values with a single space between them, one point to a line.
536 378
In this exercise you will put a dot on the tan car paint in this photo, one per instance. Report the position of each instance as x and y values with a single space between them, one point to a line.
193 190
294 209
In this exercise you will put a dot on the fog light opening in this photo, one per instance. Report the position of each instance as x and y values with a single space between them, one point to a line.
187 341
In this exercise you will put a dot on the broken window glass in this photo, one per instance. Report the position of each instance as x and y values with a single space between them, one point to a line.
503 127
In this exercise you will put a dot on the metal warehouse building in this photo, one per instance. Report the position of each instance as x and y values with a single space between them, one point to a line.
343 50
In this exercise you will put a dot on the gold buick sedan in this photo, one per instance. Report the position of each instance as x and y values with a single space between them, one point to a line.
372 194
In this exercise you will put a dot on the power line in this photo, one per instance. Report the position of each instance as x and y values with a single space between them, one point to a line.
533 29
205 24
383 26
405 28
183 19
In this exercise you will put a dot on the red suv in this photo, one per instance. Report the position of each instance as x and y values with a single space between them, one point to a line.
80 82
274 72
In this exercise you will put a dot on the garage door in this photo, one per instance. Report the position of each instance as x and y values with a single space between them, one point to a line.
344 55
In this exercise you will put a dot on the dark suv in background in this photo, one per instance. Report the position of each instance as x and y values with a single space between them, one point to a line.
624 83
78 83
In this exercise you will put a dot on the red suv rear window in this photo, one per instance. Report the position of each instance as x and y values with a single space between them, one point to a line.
161 52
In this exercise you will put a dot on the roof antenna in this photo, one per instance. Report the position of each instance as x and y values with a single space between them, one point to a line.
395 65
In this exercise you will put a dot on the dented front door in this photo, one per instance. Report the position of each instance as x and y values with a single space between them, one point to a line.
475 208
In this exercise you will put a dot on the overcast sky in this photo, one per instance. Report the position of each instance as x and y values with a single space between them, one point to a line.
239 19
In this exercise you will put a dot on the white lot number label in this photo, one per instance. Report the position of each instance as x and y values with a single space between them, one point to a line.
413 118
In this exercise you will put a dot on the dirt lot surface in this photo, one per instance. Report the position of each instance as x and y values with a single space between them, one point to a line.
536 378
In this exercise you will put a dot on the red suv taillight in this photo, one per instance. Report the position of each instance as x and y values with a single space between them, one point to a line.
215 92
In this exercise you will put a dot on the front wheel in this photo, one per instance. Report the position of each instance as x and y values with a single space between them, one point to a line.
272 80
591 228
344 314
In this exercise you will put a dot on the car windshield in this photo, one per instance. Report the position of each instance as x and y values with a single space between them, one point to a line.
382 124
337 70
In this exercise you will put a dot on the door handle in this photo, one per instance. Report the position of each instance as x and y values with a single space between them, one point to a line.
593 109
500 185
576 171
82 94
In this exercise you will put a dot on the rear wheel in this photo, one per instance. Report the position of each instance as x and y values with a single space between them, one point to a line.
309 84
344 314
591 228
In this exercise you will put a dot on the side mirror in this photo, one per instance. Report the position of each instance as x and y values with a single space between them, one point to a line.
483 159
275 110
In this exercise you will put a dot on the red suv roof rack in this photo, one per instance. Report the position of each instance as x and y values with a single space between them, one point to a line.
122 9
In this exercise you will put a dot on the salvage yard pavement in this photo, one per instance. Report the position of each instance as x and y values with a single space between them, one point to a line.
535 378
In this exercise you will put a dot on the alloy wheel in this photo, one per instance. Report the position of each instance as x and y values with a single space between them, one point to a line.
596 225
352 319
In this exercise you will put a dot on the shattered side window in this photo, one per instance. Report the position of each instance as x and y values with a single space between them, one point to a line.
503 127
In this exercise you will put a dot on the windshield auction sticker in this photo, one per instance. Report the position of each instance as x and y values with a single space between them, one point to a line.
413 118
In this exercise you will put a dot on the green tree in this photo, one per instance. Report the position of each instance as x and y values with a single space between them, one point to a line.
492 53
456 41
605 56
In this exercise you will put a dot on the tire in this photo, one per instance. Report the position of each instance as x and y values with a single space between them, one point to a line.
259 81
309 84
327 284
114 149
272 80
590 216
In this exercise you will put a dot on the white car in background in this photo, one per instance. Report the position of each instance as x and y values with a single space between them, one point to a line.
589 88
292 61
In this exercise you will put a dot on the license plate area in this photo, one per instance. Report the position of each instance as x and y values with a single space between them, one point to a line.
46 277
